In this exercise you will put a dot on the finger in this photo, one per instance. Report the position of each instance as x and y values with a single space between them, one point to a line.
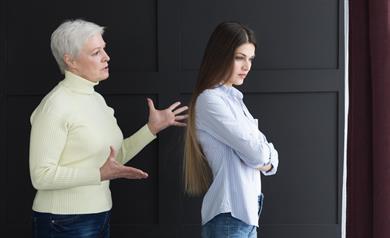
136 176
180 110
173 106
181 117
133 173
150 104
139 175
112 152
179 124
144 175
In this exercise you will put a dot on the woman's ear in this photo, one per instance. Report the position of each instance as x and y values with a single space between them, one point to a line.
69 61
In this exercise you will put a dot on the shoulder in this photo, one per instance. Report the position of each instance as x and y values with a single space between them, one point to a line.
100 98
214 97
211 101
58 102
210 95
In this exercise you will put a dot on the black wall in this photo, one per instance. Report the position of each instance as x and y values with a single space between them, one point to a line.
296 89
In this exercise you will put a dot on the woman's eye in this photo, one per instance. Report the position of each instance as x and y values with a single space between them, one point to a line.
95 53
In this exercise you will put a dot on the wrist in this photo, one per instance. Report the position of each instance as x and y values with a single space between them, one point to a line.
101 174
152 129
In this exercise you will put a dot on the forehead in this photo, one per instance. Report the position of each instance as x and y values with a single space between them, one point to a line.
246 48
93 42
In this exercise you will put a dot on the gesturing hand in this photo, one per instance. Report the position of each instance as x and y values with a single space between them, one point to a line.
161 119
112 169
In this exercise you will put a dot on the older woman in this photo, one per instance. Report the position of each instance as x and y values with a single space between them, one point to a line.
76 146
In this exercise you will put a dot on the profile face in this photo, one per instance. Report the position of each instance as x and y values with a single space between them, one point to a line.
92 61
242 63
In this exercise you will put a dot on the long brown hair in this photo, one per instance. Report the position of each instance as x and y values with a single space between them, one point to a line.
216 67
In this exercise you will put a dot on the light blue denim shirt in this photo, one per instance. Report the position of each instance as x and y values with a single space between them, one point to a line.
234 147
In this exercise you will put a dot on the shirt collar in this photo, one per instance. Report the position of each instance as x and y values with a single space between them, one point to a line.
230 90
78 84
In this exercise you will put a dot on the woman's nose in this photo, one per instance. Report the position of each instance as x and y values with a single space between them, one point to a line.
246 66
106 57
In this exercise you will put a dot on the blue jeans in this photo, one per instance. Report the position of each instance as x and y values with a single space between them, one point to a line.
47 225
225 226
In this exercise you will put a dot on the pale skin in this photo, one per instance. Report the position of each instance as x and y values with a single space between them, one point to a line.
92 64
158 121
243 57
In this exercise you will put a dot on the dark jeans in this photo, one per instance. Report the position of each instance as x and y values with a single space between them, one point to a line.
47 225
225 226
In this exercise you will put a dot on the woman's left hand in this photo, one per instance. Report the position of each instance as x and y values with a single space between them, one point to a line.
161 119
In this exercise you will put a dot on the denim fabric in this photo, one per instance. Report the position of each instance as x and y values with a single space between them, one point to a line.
46 225
225 226
261 202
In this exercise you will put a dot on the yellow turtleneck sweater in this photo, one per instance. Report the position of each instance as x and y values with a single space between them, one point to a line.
71 133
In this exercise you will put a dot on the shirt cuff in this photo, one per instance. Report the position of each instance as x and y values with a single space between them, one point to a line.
274 161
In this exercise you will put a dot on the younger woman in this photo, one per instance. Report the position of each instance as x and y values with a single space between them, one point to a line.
224 149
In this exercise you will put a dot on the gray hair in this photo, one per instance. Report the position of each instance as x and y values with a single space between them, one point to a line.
70 37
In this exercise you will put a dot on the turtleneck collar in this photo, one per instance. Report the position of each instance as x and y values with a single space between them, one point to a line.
78 84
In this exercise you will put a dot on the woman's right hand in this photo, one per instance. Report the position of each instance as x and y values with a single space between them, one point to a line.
265 168
112 169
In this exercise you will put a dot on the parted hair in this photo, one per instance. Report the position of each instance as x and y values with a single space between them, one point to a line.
216 68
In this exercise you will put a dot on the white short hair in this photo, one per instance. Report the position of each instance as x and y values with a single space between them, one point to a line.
70 37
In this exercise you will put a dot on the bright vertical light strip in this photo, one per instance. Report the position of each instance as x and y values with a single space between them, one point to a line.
346 97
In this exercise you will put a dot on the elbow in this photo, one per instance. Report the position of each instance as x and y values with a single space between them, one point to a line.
39 179
37 184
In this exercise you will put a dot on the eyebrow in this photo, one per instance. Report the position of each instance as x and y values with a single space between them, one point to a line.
245 54
95 49
100 47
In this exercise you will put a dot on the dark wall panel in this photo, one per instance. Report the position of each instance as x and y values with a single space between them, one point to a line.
303 127
138 199
130 35
19 196
291 34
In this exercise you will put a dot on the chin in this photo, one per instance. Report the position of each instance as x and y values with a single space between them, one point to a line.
238 83
105 77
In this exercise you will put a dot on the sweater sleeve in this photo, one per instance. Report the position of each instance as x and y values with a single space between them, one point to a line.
134 144
47 141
